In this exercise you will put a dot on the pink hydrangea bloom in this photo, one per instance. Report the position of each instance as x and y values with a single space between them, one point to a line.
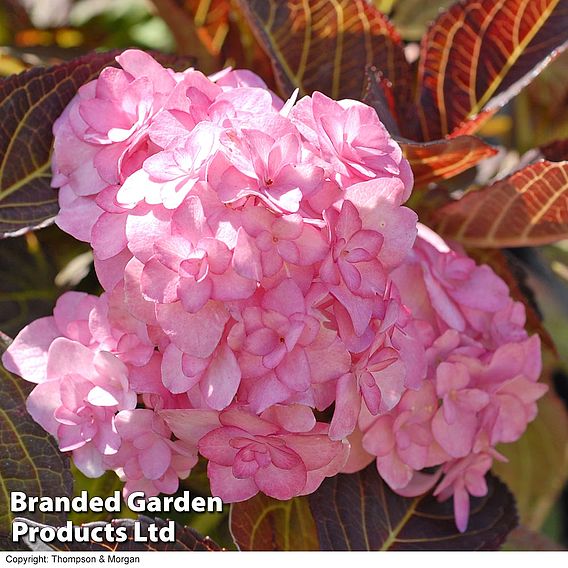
350 136
283 453
402 440
148 460
463 478
265 242
106 129
101 324
191 265
217 377
481 387
258 265
273 167
77 396
279 343
168 176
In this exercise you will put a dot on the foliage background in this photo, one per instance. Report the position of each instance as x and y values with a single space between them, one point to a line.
37 267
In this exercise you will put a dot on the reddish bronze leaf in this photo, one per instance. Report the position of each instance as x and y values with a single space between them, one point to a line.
191 37
444 159
29 104
225 34
556 151
262 523
479 54
528 208
326 46
360 512
212 21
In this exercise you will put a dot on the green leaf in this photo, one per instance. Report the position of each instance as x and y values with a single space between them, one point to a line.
262 523
543 107
186 539
31 461
360 512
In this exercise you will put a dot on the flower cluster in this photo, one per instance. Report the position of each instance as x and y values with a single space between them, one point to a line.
259 266
481 386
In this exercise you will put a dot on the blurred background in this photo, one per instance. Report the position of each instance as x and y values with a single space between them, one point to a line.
36 268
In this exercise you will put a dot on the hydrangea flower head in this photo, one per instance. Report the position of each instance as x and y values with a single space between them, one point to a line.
260 269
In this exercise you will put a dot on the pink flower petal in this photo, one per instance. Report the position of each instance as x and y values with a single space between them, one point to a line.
27 354
221 380
279 483
195 334
216 445
155 460
158 283
41 404
67 357
226 486
172 373
347 406
246 258
191 425
194 295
